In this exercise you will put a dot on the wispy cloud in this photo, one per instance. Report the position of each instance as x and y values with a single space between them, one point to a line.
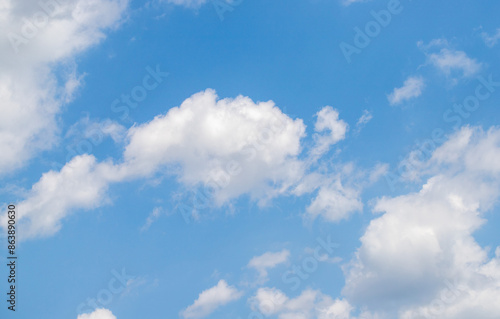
349 2
411 88
267 261
449 61
491 40
155 214
211 299
363 120
188 3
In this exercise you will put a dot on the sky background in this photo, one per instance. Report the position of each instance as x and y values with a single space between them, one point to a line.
274 160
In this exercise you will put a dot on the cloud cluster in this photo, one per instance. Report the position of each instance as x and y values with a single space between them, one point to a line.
452 63
491 40
238 147
310 304
38 38
420 257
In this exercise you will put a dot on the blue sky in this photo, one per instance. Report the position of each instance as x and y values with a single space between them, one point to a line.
242 159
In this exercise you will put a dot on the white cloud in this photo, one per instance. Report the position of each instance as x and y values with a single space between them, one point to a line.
452 62
366 117
411 88
211 299
327 120
377 172
32 47
310 304
338 190
155 214
113 129
349 2
451 152
135 283
335 202
421 252
238 146
491 40
95 131
268 301
267 261
81 184
195 4
188 3
323 258
98 314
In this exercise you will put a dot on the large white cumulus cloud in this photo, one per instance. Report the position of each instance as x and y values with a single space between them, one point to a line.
227 147
237 144
420 259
